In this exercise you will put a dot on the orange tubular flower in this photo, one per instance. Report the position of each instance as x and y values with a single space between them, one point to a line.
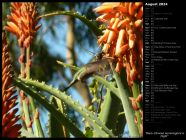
23 22
9 127
123 37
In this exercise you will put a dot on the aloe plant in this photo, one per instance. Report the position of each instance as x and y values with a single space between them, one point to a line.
122 56
96 122
58 115
110 109
60 130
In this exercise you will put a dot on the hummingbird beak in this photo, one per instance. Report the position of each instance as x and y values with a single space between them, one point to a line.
73 82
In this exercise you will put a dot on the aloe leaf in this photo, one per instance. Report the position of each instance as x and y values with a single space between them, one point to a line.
89 23
110 108
60 104
124 96
51 108
60 130
98 125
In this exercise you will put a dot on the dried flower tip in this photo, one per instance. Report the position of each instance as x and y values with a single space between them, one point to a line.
119 65
21 58
22 95
133 74
36 115
139 98
135 120
134 103
23 117
27 100
30 63
30 124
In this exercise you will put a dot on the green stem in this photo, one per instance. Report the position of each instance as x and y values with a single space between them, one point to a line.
22 51
68 65
89 23
21 101
136 92
36 120
124 96
28 62
22 113
25 105
27 115
38 128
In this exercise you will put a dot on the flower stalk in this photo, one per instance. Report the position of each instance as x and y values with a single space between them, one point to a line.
124 96
137 99
23 23
9 118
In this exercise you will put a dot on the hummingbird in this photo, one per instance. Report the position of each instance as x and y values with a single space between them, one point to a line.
99 66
